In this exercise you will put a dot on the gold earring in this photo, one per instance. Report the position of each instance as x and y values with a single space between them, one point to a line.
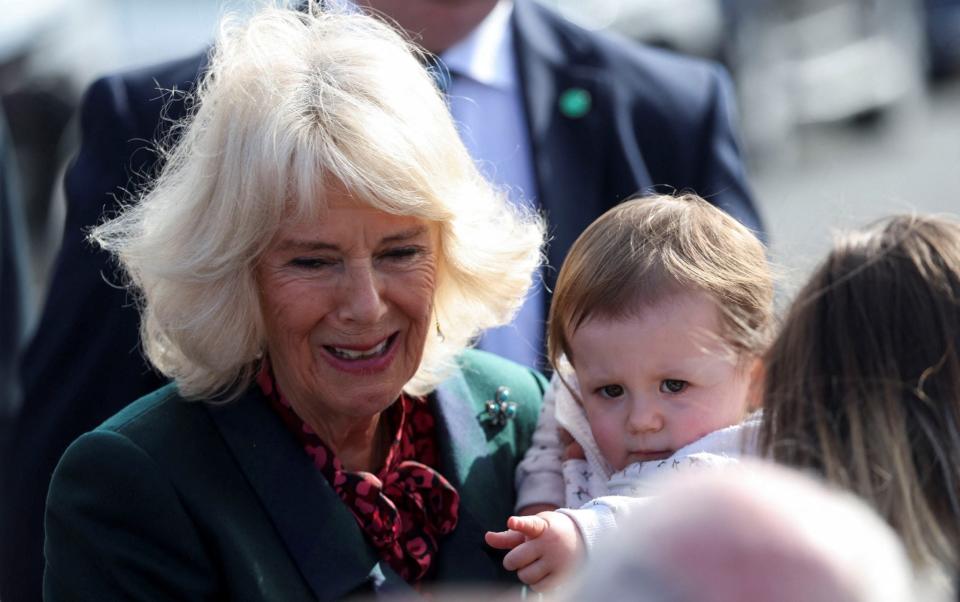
439 332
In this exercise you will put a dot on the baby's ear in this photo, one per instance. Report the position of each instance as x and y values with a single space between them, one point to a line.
757 374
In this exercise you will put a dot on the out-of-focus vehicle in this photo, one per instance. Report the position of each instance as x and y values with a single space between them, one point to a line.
689 26
795 62
942 27
804 62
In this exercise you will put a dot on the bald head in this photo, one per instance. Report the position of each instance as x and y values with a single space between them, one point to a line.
434 24
759 533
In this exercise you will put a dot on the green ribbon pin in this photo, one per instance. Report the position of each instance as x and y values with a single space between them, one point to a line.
575 103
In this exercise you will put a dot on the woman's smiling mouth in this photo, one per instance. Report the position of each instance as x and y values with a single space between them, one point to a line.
358 354
364 357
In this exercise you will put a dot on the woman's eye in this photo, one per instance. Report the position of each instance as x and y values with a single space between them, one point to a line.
610 391
671 385
402 253
311 263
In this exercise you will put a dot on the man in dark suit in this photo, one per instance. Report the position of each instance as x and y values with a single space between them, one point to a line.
571 123
604 120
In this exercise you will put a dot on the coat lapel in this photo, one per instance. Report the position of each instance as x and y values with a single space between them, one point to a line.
468 460
319 531
572 147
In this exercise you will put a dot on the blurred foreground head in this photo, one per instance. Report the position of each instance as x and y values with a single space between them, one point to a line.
756 533
863 382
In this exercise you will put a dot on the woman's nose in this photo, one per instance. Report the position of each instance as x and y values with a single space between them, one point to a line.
645 417
361 299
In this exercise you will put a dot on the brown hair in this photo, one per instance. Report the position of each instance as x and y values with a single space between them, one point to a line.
863 382
646 249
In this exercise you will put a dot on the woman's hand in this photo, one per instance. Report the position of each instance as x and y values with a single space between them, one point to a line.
543 548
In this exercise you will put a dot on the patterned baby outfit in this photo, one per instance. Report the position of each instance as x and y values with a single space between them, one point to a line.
589 490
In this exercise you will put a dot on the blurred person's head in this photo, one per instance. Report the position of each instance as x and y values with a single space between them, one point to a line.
754 533
436 25
662 307
863 382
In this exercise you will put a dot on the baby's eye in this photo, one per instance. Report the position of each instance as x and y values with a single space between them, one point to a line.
610 391
672 385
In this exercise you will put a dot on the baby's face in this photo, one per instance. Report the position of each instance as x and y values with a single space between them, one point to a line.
655 383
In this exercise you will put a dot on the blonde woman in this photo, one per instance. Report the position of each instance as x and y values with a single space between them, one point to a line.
311 264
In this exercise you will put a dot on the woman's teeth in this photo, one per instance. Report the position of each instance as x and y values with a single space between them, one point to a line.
352 354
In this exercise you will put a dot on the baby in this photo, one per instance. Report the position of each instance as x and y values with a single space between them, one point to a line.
661 312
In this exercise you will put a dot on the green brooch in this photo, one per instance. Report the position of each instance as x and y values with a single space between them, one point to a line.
500 409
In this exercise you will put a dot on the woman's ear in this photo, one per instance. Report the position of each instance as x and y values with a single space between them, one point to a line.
757 375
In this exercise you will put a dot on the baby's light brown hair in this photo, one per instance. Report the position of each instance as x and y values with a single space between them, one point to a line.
646 249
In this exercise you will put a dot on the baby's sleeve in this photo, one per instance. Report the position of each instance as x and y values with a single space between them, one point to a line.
539 476
599 517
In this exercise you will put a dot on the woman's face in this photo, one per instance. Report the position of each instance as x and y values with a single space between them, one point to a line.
346 302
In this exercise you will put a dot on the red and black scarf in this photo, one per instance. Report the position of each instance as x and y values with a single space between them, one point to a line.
407 506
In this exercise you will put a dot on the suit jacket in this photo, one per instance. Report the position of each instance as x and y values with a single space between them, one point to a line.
177 500
655 120
15 298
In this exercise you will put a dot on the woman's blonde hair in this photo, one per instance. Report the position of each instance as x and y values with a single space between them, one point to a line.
646 249
863 382
294 103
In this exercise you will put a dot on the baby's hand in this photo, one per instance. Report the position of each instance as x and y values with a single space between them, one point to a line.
504 540
535 509
507 540
543 548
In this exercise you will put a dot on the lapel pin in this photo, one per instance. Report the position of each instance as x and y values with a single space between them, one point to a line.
575 102
500 409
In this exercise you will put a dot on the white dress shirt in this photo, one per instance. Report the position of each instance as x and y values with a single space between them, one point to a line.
486 102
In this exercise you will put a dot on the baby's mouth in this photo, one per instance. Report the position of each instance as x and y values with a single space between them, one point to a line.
650 455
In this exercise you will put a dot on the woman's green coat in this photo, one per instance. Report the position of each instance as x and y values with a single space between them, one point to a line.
179 500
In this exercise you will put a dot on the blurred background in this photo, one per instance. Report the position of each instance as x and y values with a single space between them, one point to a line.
850 109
